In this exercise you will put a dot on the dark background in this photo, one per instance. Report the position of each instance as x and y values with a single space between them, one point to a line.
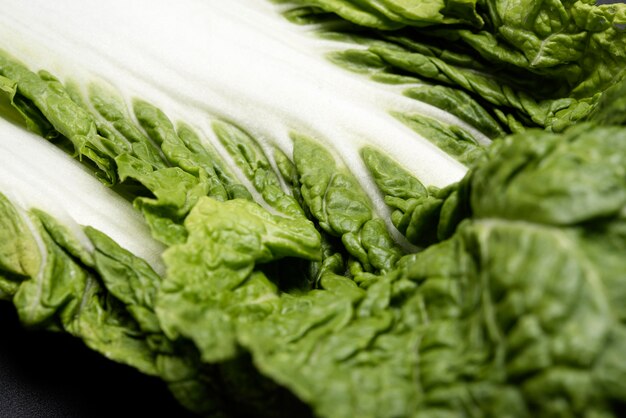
46 375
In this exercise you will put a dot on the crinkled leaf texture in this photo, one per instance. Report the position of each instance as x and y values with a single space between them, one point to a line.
307 270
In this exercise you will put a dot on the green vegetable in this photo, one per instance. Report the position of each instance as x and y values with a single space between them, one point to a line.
437 232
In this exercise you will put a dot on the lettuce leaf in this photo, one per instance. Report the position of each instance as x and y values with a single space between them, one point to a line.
391 250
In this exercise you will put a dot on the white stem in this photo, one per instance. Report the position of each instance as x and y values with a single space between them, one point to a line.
237 59
36 174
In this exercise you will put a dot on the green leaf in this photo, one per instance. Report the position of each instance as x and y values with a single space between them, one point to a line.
69 119
212 283
20 254
251 158
341 207
554 179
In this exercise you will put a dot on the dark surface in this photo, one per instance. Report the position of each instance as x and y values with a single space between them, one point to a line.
45 374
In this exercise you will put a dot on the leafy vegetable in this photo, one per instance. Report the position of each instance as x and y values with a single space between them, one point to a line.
311 241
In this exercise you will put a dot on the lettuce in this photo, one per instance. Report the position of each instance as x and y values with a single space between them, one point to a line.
329 208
